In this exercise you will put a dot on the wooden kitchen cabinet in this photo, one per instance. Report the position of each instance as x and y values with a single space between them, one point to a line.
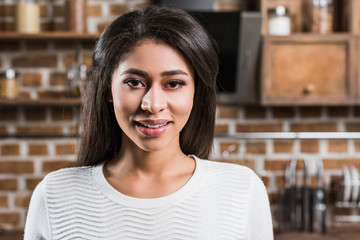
312 69
309 69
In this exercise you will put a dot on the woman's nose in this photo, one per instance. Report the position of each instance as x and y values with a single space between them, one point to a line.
154 101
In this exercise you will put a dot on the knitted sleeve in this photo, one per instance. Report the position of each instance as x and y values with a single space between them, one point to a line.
259 222
38 224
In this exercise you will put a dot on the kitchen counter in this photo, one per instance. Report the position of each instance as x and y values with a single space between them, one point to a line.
336 233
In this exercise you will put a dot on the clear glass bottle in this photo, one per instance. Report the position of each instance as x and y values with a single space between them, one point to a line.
27 16
322 16
279 22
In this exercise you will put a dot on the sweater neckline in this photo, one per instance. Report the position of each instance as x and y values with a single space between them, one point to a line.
104 186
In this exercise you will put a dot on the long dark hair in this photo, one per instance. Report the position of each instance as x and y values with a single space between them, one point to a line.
100 134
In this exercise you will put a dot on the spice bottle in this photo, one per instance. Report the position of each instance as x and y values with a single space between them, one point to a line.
9 86
279 22
27 16
322 16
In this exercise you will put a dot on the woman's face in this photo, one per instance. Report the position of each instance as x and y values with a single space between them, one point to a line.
152 92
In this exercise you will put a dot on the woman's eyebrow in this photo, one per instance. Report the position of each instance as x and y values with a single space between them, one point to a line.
136 72
173 72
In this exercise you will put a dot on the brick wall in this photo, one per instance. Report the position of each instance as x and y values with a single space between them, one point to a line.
39 139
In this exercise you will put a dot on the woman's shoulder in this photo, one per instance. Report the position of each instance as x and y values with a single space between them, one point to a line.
67 178
227 168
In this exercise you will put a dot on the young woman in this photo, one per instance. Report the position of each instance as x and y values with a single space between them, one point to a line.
148 122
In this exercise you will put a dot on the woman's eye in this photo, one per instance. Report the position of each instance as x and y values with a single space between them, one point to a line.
134 83
175 84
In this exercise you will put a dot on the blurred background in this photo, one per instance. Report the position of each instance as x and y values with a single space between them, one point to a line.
288 100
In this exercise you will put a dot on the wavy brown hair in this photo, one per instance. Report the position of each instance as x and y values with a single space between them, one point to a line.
100 134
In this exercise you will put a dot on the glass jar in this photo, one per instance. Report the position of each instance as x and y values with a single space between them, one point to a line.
322 16
279 22
9 84
27 16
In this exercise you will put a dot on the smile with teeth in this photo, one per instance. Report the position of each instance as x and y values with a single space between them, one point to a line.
153 126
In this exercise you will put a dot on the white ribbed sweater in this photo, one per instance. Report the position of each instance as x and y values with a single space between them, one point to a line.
220 201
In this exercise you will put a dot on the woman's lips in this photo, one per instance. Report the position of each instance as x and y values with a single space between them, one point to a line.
153 127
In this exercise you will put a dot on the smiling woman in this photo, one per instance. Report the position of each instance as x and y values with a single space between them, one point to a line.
148 121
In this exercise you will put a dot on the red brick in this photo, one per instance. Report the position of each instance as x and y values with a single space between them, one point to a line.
88 46
338 111
59 26
283 112
69 60
357 111
118 9
266 181
35 61
64 45
255 112
283 146
273 198
35 114
101 26
74 130
31 183
16 167
276 165
57 79
8 10
94 10
357 145
38 149
59 11
11 218
39 130
309 146
87 59
31 79
8 184
62 114
280 182
65 149
10 46
22 201
353 127
10 149
44 12
47 26
4 202
9 27
37 45
51 94
255 147
244 162
314 127
8 113
258 128
227 112
221 129
230 147
340 162
49 166
339 146
3 130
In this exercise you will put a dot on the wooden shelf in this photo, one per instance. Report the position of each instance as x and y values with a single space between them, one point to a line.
41 102
48 36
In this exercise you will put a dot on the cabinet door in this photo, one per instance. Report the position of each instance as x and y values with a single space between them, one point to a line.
308 70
